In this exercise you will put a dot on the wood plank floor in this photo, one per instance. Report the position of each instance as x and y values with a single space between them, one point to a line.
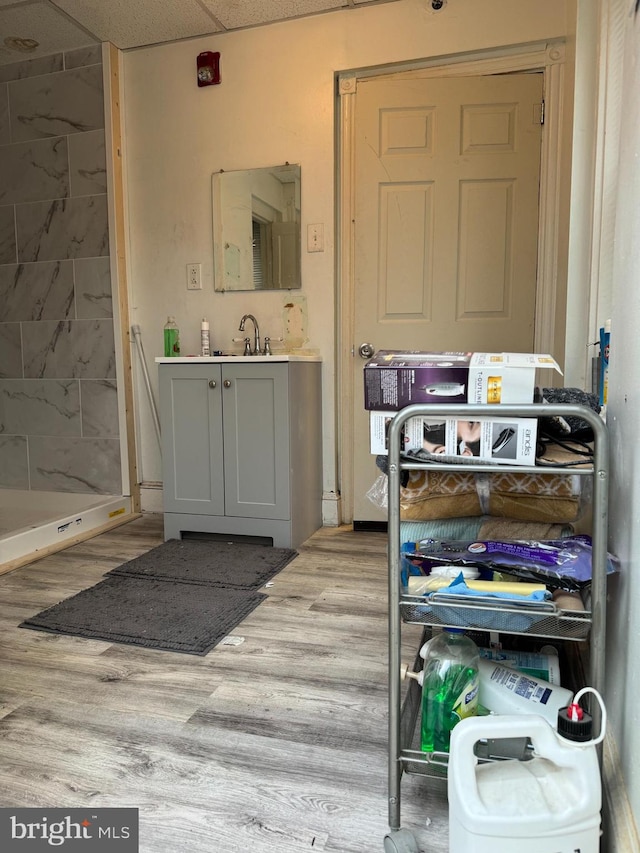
278 743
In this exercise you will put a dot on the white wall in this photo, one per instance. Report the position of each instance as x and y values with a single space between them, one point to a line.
623 416
577 356
276 102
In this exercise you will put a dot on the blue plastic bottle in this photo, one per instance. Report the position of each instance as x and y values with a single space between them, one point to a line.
449 687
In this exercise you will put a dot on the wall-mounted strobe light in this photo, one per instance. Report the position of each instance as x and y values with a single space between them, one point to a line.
208 65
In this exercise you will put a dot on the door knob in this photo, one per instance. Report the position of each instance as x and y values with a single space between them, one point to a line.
366 350
227 383
212 383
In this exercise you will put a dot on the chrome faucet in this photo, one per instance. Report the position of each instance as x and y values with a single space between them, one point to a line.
256 346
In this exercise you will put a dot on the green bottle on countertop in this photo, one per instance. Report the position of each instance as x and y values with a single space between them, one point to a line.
171 338
449 687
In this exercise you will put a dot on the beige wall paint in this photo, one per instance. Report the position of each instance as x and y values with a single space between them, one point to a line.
276 102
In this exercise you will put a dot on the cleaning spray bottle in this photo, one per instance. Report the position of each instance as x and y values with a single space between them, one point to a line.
449 682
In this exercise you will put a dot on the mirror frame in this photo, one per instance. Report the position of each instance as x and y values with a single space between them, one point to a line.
257 229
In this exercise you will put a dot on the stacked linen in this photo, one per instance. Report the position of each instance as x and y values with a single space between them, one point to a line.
481 527
552 498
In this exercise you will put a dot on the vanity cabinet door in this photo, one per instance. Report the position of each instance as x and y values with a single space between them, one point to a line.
192 440
255 403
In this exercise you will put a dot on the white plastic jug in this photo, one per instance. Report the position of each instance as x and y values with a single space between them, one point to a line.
548 804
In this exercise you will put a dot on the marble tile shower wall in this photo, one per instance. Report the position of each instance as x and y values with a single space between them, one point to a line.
58 393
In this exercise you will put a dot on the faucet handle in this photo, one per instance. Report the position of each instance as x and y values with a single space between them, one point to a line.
267 345
247 345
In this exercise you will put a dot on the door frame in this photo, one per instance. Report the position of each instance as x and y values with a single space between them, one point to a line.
547 58
116 193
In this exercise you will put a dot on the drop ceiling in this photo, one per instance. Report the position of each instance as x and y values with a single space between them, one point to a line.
34 28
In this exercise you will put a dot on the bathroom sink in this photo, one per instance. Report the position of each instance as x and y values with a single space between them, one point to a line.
246 359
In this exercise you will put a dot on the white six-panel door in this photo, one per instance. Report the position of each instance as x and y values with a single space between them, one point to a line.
447 174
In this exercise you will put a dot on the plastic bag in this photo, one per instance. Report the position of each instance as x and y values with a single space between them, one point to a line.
378 494
559 563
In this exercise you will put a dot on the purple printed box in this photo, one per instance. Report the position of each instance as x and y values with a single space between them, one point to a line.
394 379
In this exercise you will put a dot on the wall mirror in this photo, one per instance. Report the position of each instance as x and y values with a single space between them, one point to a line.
256 229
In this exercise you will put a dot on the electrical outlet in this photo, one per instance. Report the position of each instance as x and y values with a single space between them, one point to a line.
194 276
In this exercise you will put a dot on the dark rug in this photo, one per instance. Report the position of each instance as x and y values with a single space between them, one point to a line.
207 563
187 606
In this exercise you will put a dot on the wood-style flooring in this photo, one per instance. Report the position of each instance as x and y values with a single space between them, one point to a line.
276 744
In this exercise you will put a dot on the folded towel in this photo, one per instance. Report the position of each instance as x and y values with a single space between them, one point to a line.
443 528
457 494
509 528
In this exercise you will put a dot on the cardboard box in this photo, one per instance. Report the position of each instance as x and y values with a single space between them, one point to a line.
394 379
507 441
505 377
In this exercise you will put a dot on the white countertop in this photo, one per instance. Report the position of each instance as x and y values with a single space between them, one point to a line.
247 359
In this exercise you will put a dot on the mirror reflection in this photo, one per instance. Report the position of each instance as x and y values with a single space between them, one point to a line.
256 229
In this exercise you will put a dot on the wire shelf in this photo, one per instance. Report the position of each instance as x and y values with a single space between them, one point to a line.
539 619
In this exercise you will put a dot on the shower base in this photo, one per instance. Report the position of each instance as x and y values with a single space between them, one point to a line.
34 523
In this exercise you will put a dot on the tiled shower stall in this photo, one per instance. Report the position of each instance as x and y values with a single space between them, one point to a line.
59 428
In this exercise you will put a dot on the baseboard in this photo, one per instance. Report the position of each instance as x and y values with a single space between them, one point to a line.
151 497
331 509
620 833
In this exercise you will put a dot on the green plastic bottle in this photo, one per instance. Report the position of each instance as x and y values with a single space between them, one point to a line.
449 687
171 338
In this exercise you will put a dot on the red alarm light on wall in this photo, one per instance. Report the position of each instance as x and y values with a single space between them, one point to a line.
208 65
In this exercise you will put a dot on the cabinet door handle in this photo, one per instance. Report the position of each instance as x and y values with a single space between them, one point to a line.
212 383
227 383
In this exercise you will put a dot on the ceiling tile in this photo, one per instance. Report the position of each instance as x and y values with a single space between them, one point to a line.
133 23
39 21
233 14
64 25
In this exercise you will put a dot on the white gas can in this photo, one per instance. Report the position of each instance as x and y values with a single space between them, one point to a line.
547 804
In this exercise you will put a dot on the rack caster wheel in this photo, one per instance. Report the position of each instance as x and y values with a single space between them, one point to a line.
401 841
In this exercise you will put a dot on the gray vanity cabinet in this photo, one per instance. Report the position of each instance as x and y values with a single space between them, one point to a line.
241 448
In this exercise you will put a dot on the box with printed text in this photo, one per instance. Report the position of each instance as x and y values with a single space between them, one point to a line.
394 379
508 441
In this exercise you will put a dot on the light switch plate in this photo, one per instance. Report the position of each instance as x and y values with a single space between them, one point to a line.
315 238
